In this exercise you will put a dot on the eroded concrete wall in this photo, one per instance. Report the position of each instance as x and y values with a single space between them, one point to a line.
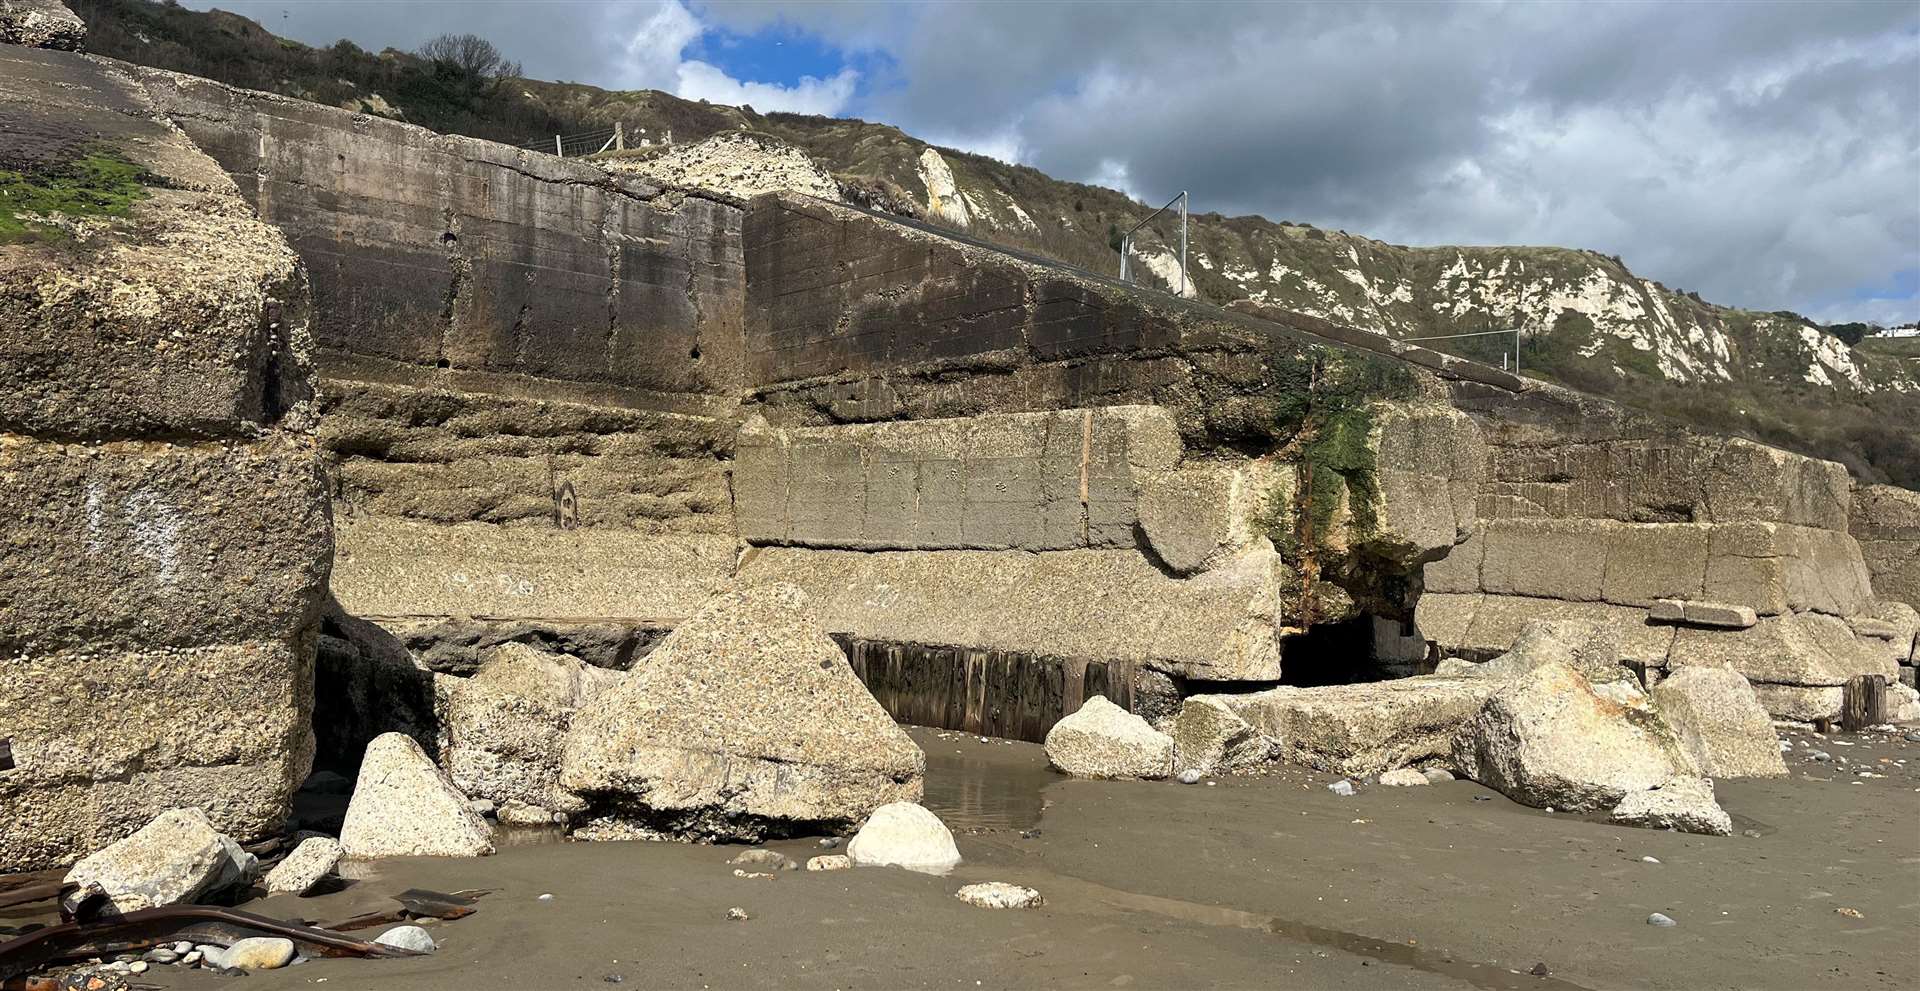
1594 512
528 368
1886 522
168 539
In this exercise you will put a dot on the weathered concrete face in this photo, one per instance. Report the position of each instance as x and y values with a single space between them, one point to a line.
1694 549
169 536
1886 522
528 374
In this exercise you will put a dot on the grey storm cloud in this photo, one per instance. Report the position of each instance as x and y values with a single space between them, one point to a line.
1765 154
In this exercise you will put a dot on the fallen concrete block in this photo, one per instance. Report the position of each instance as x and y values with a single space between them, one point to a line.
1720 614
1102 740
1546 739
404 806
1685 804
744 722
176 858
1365 729
1719 719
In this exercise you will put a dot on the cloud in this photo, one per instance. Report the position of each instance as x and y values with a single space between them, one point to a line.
1764 155
654 58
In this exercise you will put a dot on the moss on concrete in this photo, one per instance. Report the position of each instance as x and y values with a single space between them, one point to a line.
1324 414
97 184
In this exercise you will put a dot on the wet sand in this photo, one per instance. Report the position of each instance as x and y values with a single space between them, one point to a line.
1253 882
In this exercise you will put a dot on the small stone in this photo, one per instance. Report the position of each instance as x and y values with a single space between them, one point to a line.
1437 775
1483 798
160 955
137 967
213 957
829 842
258 953
1821 756
408 938
545 898
1404 777
614 979
737 914
1656 919
1650 860
483 806
999 894
752 875
765 858
1540 970
830 862
1752 834
1342 787
1851 913
1190 776
190 958
1913 736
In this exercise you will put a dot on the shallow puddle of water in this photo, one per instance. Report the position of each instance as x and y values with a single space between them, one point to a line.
1489 977
984 787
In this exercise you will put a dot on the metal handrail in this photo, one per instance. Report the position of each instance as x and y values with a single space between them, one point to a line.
1478 333
1126 241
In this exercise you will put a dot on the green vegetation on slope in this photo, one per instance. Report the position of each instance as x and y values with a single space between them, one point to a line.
1590 323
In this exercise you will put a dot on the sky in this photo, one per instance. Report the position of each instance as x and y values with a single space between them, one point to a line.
1762 154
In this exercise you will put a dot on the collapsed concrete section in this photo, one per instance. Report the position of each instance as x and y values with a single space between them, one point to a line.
170 539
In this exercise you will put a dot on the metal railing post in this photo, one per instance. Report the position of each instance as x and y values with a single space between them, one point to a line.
557 149
1183 242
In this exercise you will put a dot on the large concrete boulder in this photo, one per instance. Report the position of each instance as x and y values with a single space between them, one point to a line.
745 722
1102 740
1721 723
507 726
1545 739
1208 737
175 859
904 834
404 806
1364 729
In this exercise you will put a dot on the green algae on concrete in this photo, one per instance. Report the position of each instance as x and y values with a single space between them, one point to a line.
97 184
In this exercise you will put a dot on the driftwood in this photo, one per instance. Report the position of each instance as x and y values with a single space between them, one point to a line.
415 903
150 927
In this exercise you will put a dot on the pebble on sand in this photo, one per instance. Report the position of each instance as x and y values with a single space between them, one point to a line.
738 914
1657 919
830 862
1190 776
1341 787
999 894
258 953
